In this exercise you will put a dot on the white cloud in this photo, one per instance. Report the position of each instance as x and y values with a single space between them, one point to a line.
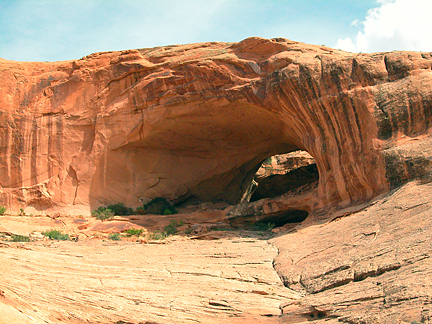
394 25
355 22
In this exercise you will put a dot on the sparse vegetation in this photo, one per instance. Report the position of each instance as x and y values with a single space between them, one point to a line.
267 161
171 229
157 236
22 212
20 238
56 235
120 209
160 206
2 210
133 232
262 227
114 237
103 213
223 229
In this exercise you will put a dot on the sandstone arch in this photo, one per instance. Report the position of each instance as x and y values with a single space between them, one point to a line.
197 120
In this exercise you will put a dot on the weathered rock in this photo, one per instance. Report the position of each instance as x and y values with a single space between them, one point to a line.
369 267
224 281
369 264
194 123
283 163
277 185
197 121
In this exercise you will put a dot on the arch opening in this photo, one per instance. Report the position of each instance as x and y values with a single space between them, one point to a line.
282 173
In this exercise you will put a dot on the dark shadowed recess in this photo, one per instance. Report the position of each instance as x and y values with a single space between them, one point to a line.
277 185
285 217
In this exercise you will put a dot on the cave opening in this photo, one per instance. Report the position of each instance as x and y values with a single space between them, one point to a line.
290 216
282 173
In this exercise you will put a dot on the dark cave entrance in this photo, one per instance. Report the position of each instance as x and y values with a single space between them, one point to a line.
290 216
287 174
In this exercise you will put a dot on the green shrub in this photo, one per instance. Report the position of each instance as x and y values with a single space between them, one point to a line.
114 236
103 213
2 210
133 231
121 210
262 227
171 229
56 235
20 238
159 206
157 236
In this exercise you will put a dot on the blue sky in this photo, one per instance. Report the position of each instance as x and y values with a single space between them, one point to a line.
52 30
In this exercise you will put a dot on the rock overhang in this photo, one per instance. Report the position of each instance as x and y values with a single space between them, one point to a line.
199 119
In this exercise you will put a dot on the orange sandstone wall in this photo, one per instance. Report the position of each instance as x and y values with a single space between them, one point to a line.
197 120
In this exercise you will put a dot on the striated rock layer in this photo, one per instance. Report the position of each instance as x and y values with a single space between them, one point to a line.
196 121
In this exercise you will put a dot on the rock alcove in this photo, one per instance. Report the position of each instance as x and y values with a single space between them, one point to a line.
196 121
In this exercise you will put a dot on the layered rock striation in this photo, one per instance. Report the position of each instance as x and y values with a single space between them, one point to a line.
196 122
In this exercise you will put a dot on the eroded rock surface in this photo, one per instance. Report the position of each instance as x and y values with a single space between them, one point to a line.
196 121
181 281
371 267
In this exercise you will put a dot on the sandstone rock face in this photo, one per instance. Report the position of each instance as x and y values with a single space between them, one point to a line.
370 267
196 121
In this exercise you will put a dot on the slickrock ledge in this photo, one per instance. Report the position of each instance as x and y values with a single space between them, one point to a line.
182 281
369 267
196 121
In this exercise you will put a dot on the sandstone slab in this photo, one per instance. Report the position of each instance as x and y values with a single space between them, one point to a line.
373 266
223 281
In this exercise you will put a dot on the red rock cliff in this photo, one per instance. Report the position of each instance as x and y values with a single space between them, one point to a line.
198 120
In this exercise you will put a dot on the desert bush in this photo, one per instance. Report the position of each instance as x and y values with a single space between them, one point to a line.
20 238
159 206
133 231
103 213
2 210
157 236
121 210
262 227
114 236
56 235
171 229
